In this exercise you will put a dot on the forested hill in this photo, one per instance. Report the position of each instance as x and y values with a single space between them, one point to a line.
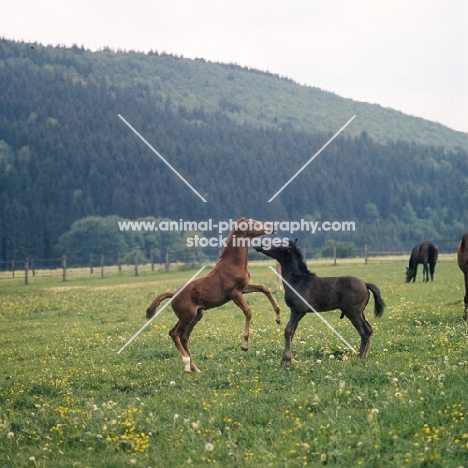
65 154
246 95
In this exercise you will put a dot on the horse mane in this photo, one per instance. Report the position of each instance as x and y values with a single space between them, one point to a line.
228 250
303 270
225 251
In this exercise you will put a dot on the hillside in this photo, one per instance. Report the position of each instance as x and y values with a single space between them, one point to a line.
246 95
65 155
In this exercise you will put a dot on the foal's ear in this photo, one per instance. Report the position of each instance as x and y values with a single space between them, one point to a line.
293 242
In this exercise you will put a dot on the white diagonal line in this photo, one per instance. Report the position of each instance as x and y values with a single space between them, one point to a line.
312 158
160 310
311 308
162 159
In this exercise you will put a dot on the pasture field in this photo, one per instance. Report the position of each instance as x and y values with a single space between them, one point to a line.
67 399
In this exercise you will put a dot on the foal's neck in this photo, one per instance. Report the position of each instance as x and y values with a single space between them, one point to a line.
294 265
235 253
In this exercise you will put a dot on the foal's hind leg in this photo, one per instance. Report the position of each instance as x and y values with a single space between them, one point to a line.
175 334
364 328
184 339
180 337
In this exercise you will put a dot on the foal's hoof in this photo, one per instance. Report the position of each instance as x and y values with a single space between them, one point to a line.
278 322
285 363
244 348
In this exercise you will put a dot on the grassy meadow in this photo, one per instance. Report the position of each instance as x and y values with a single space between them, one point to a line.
67 399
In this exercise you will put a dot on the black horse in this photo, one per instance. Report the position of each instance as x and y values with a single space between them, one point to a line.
347 293
427 254
462 257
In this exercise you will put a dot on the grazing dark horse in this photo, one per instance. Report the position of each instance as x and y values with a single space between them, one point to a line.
228 281
427 254
347 293
462 257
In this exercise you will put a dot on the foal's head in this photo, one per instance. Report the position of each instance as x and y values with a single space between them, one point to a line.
279 253
252 228
289 256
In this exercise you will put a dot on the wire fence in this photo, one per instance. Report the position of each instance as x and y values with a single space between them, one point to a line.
61 268
447 249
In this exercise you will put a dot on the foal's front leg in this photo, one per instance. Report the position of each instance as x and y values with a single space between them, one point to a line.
240 302
263 289
289 331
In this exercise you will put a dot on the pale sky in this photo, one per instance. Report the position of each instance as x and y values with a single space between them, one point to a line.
410 56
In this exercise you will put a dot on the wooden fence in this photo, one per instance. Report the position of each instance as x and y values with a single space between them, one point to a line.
55 267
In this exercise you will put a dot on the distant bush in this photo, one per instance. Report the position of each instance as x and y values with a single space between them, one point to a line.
343 249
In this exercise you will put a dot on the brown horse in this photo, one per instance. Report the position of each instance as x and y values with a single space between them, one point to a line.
228 281
462 256
427 254
347 293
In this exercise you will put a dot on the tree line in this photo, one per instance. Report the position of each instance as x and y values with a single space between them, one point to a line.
65 156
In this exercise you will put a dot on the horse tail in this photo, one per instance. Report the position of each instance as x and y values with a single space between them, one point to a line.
379 302
150 311
433 254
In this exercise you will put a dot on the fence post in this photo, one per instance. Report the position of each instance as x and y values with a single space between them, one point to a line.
167 266
26 268
152 260
334 254
102 265
135 259
13 268
64 268
33 267
365 253
119 262
193 257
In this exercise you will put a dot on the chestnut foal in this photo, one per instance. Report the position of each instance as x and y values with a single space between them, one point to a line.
228 281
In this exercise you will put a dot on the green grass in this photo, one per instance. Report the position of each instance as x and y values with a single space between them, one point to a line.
68 399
